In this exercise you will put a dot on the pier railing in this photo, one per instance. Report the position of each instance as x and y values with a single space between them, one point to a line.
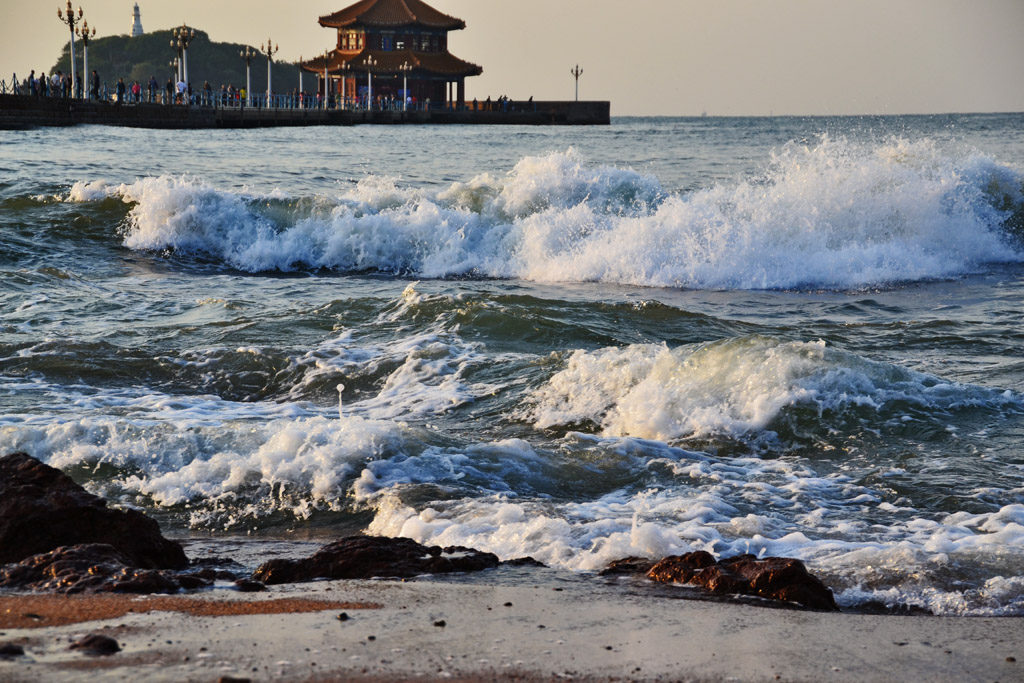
235 100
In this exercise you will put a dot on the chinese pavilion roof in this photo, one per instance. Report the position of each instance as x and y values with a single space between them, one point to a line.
392 13
387 63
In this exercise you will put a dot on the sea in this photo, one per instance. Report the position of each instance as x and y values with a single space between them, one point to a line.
783 336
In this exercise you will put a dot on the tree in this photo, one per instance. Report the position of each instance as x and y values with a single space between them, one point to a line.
136 59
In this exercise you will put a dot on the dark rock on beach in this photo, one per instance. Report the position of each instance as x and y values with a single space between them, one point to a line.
523 562
777 578
365 557
41 509
93 568
11 650
627 566
96 644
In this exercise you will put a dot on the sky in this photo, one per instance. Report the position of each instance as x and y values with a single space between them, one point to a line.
648 57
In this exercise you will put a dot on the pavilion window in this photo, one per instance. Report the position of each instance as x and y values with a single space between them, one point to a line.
400 45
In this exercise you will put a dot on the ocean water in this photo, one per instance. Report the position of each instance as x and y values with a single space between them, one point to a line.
785 336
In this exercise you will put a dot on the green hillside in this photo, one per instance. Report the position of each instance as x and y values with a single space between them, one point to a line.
136 59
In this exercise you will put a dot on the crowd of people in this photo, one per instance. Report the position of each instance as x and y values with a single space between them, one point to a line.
61 85
174 91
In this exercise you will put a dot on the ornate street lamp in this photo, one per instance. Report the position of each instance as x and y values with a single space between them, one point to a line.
85 34
405 69
247 54
326 56
577 72
369 62
71 20
269 50
300 78
345 68
182 37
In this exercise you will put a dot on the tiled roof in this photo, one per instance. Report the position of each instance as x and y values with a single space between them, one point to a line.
429 63
388 13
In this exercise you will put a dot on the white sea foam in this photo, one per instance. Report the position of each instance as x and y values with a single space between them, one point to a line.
229 473
733 387
93 191
910 560
836 215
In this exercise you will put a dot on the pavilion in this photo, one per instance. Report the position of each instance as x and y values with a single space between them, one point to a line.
391 39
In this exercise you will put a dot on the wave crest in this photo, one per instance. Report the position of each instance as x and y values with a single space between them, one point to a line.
836 215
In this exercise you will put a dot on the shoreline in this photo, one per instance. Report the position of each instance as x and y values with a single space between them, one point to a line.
510 625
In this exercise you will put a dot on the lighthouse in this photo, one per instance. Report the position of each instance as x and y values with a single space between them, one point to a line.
136 22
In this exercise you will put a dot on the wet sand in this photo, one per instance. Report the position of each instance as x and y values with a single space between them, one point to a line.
532 627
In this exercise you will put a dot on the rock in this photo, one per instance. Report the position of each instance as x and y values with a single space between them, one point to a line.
11 650
41 508
627 566
96 644
92 568
523 562
777 578
365 557
250 586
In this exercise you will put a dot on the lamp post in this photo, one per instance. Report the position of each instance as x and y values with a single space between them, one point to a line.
577 72
345 67
71 20
182 37
405 69
326 56
300 79
85 34
269 50
370 62
247 54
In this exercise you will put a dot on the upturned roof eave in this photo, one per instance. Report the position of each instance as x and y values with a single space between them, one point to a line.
356 23
421 61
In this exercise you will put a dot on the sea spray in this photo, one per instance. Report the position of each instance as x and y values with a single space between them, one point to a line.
837 215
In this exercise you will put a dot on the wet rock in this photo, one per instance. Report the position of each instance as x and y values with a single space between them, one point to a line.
11 650
523 562
777 578
41 508
365 557
627 566
250 586
96 644
92 568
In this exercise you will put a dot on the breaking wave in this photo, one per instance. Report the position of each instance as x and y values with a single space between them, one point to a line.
835 215
741 387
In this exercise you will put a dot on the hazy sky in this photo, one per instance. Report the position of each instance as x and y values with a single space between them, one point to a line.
672 57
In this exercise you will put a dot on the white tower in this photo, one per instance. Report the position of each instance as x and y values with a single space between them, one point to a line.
137 23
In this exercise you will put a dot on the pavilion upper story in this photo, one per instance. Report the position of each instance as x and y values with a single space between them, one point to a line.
381 37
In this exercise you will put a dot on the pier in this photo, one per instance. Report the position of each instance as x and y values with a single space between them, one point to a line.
24 111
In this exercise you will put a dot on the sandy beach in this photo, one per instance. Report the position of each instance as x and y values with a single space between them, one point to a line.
511 625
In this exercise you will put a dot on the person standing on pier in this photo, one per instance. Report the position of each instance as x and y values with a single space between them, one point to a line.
94 93
153 87
120 91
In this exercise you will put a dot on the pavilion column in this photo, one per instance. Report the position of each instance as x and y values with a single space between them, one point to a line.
460 100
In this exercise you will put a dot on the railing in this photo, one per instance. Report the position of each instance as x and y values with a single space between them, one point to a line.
234 100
